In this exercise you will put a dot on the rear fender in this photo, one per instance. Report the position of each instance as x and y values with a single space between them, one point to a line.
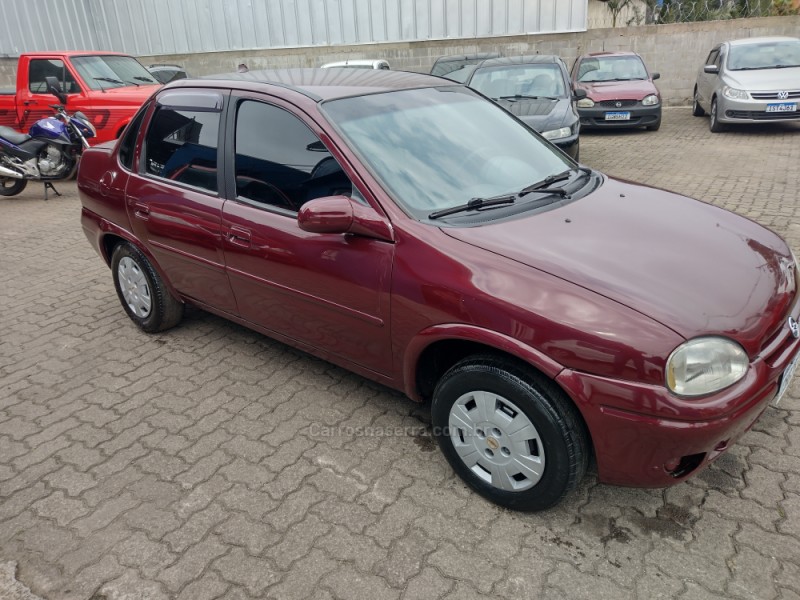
99 231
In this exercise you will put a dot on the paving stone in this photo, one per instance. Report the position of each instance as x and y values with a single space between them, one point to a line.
192 563
464 566
255 574
346 582
193 456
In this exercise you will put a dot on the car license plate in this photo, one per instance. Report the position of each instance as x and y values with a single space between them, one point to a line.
786 378
782 107
618 116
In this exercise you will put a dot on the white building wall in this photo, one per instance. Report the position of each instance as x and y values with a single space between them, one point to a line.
149 27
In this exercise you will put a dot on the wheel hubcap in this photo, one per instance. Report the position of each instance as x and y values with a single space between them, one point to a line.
496 441
133 285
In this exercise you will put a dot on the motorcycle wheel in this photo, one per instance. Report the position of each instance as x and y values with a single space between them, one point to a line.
10 186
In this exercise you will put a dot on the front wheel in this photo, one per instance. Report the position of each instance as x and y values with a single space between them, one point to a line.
10 186
509 433
697 110
713 121
142 292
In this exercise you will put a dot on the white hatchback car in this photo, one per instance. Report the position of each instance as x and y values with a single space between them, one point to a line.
359 64
754 80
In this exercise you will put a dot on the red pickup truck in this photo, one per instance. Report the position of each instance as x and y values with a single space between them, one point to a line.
105 86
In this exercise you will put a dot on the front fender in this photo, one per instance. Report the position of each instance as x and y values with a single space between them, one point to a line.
470 333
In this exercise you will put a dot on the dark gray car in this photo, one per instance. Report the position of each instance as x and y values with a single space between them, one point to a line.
537 90
753 80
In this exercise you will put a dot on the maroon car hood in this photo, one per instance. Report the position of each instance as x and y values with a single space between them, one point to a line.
618 90
691 266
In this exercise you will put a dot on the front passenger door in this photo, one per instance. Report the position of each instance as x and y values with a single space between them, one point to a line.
327 293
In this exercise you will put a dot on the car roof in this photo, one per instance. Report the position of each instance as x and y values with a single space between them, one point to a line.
520 60
761 40
322 84
74 53
357 61
617 53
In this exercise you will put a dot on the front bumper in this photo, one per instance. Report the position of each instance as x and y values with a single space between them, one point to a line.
644 436
640 116
570 145
754 111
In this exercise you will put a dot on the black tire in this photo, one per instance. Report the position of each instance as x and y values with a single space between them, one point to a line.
558 436
654 127
163 310
697 110
713 122
10 186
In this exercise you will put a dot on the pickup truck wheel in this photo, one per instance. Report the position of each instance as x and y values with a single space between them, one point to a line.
142 292
9 186
509 433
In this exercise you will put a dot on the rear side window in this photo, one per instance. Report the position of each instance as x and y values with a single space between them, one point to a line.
181 145
280 162
128 143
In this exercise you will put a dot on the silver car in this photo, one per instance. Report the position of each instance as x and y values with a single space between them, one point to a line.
754 80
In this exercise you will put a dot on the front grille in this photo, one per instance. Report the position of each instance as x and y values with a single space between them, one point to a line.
613 103
757 115
774 95
589 122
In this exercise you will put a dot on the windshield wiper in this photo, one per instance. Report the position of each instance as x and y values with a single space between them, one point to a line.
524 97
109 80
145 79
475 204
544 185
540 187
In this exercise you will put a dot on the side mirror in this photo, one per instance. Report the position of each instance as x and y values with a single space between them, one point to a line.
579 94
55 88
340 214
711 69
656 76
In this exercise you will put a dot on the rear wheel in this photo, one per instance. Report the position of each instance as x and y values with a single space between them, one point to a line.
142 291
713 121
697 110
10 186
509 433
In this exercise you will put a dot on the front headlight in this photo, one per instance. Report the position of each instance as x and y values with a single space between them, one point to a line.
555 134
705 365
650 100
585 103
734 94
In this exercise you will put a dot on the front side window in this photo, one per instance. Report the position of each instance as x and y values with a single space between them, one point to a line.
611 68
181 145
280 162
40 68
541 80
713 57
102 72
435 148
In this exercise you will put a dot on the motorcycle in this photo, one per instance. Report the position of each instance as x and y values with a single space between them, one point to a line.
50 151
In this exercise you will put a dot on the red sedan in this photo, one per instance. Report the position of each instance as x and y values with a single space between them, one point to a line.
409 230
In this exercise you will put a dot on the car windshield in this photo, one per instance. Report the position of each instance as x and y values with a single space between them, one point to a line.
611 68
435 148
109 71
766 55
540 80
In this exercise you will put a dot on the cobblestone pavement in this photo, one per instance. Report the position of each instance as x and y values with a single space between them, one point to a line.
197 463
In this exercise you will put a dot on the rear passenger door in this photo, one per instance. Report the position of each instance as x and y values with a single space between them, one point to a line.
173 201
328 293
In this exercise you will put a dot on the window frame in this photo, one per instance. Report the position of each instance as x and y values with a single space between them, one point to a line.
141 115
161 101
240 96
